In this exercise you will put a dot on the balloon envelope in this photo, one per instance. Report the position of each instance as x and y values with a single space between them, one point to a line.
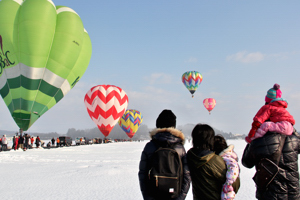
130 122
44 52
209 104
192 80
106 104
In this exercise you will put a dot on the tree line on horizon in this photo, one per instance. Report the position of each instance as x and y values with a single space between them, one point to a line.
143 133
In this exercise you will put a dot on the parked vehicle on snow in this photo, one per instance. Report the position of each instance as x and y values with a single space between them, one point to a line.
65 141
88 141
97 140
79 141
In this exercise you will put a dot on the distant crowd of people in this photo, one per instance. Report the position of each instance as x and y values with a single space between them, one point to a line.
20 141
24 142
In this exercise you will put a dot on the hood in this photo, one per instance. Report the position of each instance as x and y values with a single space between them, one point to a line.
229 149
279 103
229 153
197 160
170 135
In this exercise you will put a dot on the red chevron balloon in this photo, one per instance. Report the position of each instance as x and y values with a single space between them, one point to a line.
105 105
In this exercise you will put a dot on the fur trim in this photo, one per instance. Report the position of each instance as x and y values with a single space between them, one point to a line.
171 130
228 149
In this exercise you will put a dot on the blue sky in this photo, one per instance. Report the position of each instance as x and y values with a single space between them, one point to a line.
240 47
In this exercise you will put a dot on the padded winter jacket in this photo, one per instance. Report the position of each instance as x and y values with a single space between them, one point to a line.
233 172
163 136
285 185
208 172
275 112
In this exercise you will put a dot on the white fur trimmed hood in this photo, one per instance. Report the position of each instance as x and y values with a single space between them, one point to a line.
171 130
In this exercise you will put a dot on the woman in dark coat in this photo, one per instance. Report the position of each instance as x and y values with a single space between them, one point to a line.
164 135
208 170
285 185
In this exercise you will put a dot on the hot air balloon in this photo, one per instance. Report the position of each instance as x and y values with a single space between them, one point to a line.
209 104
44 52
130 122
192 80
106 104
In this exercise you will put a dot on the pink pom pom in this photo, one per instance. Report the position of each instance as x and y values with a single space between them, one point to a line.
276 86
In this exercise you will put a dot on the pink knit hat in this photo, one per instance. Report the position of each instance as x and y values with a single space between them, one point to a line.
273 93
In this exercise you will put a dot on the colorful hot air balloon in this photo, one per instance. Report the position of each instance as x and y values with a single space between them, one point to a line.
106 104
130 122
44 52
209 104
192 80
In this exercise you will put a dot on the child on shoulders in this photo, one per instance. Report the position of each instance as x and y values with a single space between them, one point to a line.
273 116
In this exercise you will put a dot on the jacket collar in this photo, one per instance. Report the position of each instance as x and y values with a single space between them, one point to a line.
171 130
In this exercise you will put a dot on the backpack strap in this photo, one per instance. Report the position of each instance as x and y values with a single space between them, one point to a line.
159 144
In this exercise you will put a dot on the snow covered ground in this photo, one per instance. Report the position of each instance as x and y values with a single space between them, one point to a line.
98 171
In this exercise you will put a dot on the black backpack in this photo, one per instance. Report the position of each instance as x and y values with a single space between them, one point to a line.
165 174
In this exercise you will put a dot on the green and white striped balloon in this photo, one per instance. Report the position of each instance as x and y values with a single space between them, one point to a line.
44 52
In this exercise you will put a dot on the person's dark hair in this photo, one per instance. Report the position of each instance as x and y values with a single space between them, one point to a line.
203 137
219 144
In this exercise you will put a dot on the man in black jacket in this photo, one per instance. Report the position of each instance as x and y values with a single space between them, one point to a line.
164 134
285 185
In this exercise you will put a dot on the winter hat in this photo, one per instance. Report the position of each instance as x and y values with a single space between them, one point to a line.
273 93
166 119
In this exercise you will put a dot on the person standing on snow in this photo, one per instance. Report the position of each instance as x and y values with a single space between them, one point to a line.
53 141
26 144
16 144
208 170
275 141
4 143
37 141
21 142
32 141
13 142
164 135
57 142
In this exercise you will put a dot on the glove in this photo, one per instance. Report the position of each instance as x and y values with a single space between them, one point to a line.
227 188
227 192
